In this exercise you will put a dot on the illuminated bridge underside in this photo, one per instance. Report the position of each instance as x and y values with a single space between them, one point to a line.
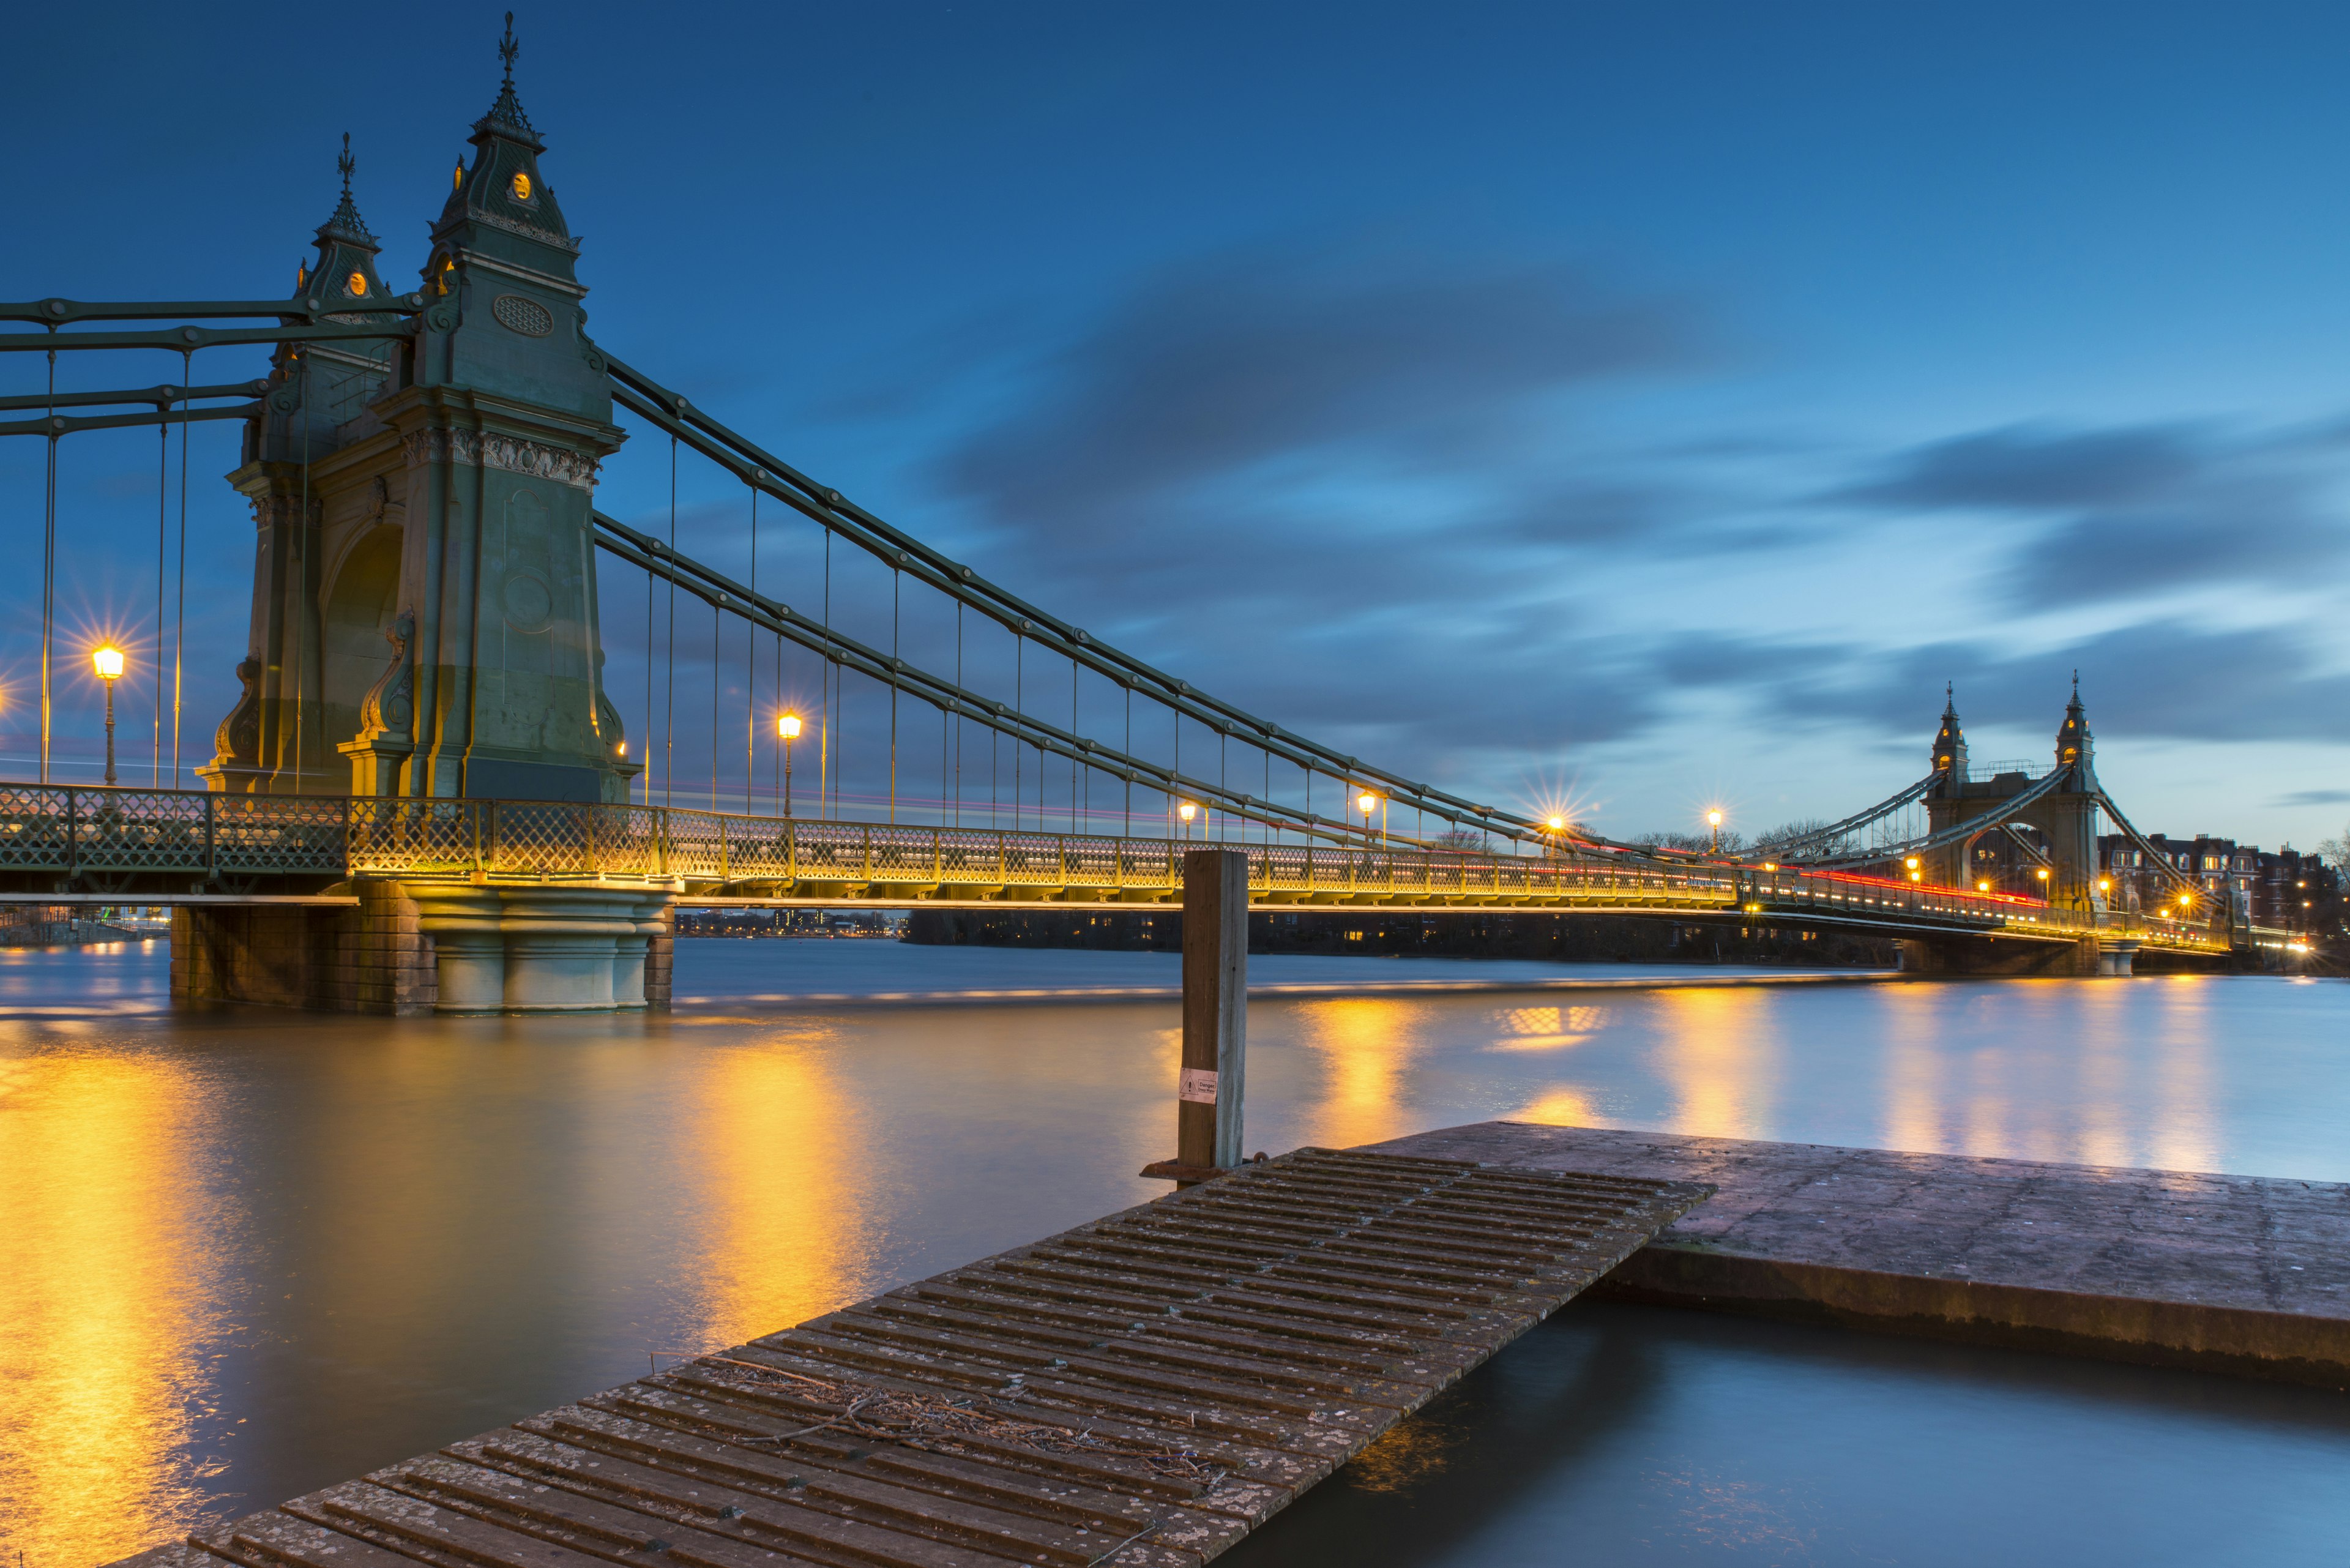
159 845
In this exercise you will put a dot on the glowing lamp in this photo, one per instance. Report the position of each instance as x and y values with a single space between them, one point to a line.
108 659
1556 823
1983 887
787 725
1188 810
1713 819
1366 802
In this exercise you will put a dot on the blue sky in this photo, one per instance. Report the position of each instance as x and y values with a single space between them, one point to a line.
1651 407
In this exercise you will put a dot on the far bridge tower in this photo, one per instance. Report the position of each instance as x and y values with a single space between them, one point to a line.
2064 812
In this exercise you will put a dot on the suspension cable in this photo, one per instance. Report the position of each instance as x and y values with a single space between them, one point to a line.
163 560
301 575
669 700
751 676
48 562
896 577
717 628
180 611
829 680
958 718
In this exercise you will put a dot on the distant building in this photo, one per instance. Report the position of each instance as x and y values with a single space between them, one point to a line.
2279 887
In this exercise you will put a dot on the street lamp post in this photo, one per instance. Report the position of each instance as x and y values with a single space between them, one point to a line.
108 659
1366 802
1713 826
788 726
1187 812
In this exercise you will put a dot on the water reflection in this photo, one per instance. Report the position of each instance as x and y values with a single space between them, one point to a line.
105 1315
778 1201
1719 1053
347 1240
1364 1048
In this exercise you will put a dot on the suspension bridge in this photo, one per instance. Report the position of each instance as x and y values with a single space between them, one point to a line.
426 788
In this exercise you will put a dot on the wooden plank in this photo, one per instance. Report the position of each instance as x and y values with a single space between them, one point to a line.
278 1540
1140 1392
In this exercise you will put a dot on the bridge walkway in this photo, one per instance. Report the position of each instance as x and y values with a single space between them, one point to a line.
1141 1391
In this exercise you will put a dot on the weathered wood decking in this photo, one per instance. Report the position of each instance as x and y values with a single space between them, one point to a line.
1141 1391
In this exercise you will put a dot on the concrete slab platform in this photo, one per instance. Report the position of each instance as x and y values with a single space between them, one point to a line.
2247 1275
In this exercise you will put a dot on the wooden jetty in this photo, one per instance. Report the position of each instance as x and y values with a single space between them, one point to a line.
1141 1391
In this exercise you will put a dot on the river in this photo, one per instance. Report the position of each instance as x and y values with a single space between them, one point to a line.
246 1253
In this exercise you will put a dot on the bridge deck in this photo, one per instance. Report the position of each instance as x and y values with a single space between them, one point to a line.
134 846
1144 1390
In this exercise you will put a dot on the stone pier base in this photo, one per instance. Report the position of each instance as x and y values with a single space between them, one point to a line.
419 947
374 959
542 948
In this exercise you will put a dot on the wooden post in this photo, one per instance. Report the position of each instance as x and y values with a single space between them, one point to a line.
1215 1008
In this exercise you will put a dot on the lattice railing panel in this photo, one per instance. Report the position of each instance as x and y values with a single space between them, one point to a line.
278 834
390 835
138 830
542 838
829 851
969 857
694 844
33 827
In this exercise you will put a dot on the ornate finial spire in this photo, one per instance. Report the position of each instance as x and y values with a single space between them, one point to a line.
2072 735
507 110
1950 754
346 224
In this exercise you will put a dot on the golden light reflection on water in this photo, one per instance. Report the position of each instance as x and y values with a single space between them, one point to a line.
1363 1047
1910 1089
1719 1054
2185 1123
104 1310
782 1215
1560 1107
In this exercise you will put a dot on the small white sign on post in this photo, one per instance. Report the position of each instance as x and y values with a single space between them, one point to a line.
1198 1085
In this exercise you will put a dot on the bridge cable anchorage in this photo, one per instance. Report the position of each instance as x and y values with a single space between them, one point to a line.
650 400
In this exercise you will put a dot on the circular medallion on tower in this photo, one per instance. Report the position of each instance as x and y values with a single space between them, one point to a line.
521 186
356 285
529 602
518 313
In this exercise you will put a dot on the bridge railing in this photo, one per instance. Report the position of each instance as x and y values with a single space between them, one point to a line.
75 830
1870 900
